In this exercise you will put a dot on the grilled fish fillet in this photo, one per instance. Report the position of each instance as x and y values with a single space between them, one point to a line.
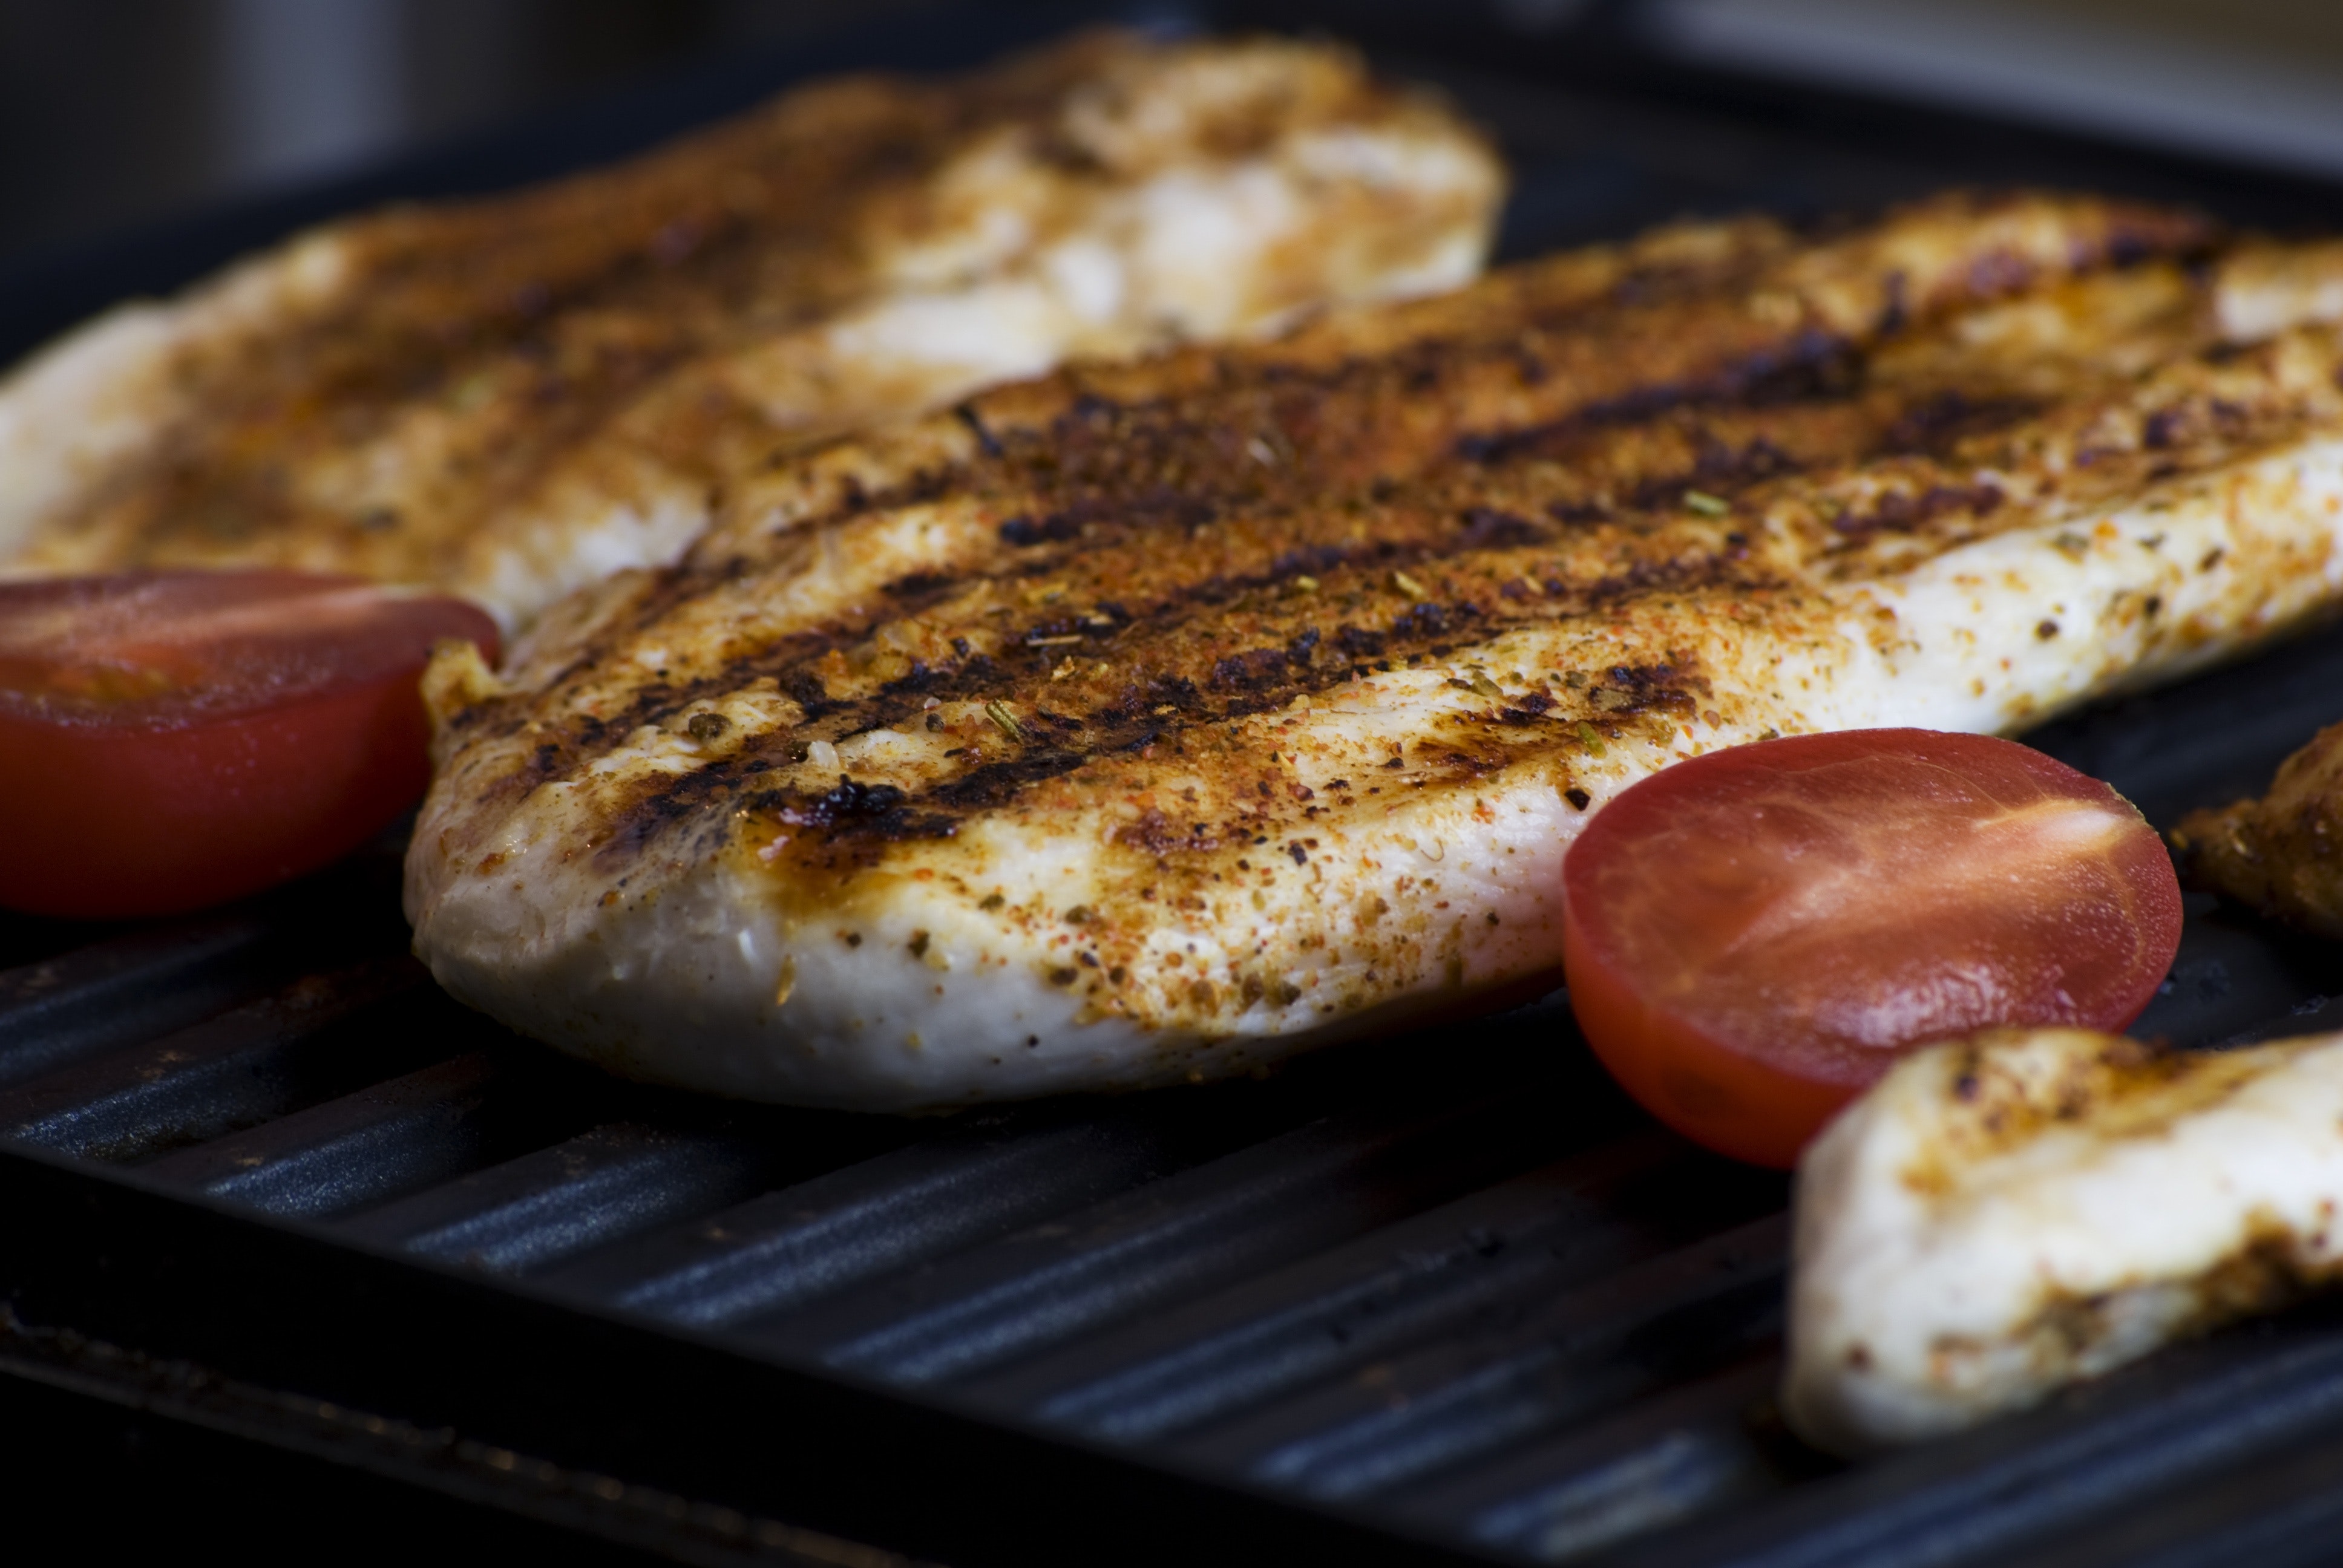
511 397
2002 1215
1154 723
2282 854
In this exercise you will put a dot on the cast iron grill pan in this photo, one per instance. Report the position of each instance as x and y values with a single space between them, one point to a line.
1448 1298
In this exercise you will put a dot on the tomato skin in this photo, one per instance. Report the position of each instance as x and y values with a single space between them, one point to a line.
1719 1098
158 807
1751 937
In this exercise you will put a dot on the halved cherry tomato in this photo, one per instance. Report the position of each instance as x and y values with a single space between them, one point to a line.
169 740
1751 937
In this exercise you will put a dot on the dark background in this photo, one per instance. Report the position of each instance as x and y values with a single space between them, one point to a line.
116 113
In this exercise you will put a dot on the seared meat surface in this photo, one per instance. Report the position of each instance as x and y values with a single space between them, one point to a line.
513 396
1150 723
2002 1215
2281 855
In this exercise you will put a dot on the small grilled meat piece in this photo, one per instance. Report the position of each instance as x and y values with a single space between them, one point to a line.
513 396
2281 855
2002 1215
1130 739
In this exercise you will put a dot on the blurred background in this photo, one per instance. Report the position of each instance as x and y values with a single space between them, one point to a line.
116 111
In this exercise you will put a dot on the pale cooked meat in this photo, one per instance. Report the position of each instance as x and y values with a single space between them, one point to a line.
513 396
1123 742
2002 1215
2268 287
2282 854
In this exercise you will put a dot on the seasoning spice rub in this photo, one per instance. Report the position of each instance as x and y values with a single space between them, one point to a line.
2282 854
1151 722
2006 1213
509 398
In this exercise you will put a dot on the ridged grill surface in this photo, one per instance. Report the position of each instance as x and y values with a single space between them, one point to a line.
1453 1286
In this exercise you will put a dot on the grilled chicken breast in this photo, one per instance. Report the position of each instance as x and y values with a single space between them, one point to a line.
511 397
1999 1216
1152 723
2282 854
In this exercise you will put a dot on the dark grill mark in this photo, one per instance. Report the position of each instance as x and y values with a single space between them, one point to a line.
925 587
679 797
1152 709
998 783
1256 668
1526 710
1217 626
1717 466
852 802
1897 512
806 686
1935 424
1316 561
852 813
1806 365
1054 529
1430 620
1487 528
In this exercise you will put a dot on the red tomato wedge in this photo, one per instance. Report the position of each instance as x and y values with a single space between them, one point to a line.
169 740
1751 937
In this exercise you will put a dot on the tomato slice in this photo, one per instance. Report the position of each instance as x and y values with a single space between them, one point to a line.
1751 937
169 740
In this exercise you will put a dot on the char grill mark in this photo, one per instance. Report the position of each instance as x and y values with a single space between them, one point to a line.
501 396
1207 669
1904 511
1609 475
1943 419
641 271
1250 427
1171 677
1203 407
1421 579
1808 365
1212 632
1085 452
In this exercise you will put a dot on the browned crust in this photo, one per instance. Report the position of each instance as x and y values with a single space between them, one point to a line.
2281 855
1128 577
1537 359
530 323
2119 1088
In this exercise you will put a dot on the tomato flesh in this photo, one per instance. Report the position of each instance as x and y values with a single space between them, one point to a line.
1752 935
171 740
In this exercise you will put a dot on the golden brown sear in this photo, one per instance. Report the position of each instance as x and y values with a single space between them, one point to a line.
1156 720
2281 855
511 397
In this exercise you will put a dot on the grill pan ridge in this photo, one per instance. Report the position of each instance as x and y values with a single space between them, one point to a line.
1445 1298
